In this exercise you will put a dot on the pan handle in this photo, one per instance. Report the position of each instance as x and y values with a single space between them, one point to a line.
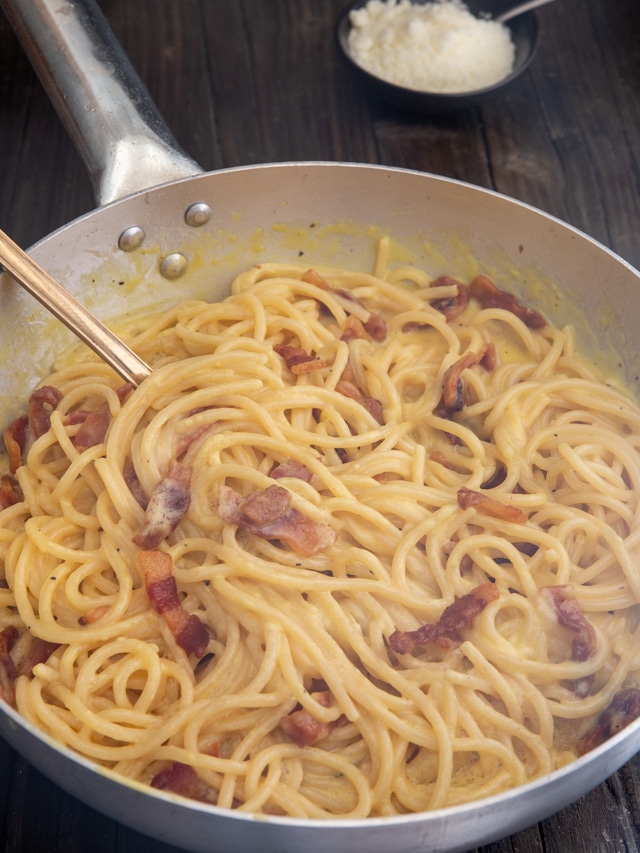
107 110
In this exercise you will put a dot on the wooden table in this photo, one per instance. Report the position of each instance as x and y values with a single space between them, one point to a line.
253 81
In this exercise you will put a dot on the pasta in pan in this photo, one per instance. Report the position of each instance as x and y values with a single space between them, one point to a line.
361 545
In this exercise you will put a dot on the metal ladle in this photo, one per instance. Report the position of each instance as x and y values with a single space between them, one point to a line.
72 313
520 9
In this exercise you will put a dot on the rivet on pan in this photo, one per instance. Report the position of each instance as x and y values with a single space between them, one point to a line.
197 214
173 265
131 238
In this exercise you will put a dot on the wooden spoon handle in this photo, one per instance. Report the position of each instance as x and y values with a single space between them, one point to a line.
72 313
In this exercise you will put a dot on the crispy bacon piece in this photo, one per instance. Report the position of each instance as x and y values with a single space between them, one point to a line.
570 616
269 515
93 429
291 468
15 440
167 506
446 631
8 637
8 676
453 390
303 728
183 780
623 710
354 330
452 387
187 629
349 389
490 296
37 651
186 440
8 671
373 323
131 479
299 361
41 403
10 492
469 497
453 306
33 652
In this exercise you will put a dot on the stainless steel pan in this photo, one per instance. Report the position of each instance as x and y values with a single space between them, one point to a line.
147 244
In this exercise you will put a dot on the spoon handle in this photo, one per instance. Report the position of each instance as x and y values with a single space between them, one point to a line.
72 313
520 9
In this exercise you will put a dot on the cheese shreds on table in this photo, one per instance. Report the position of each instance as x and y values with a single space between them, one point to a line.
432 47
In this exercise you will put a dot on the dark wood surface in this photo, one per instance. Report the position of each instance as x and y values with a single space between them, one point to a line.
251 81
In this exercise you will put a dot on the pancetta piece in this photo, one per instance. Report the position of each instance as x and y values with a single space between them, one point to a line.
446 631
183 780
15 440
269 515
305 729
349 389
490 296
17 660
623 710
93 427
453 389
299 361
570 615
453 306
10 492
8 671
373 323
167 506
41 403
187 629
483 503
291 468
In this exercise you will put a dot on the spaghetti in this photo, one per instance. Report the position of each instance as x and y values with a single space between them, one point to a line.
362 544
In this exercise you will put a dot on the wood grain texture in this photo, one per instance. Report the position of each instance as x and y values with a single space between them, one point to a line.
252 81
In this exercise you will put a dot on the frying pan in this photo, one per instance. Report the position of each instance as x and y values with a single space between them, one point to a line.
164 231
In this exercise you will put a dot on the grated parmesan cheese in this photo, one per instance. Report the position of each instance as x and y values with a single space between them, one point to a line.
436 46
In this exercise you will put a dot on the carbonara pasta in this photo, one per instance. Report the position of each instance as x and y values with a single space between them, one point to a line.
362 544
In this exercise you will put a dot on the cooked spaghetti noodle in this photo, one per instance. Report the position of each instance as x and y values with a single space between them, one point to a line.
347 552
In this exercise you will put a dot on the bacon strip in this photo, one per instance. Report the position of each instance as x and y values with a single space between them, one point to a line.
371 404
187 629
15 440
483 503
623 710
291 468
453 389
41 403
490 296
10 492
183 780
446 631
570 616
303 728
299 361
33 652
269 515
167 506
373 323
455 305
93 429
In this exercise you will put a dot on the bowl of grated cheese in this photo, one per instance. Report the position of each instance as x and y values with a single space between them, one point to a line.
434 56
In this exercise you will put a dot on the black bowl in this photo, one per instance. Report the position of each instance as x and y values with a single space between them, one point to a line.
524 33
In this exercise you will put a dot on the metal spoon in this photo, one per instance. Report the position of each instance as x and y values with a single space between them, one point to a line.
72 313
520 9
